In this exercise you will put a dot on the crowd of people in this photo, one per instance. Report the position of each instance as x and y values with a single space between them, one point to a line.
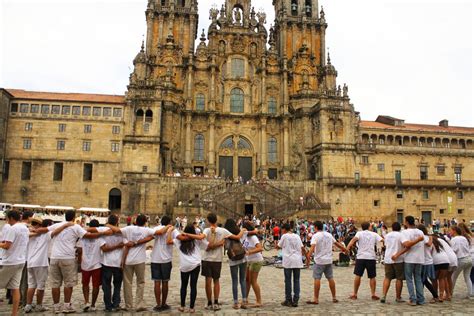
113 257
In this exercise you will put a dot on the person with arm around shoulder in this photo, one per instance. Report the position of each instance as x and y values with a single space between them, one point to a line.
461 243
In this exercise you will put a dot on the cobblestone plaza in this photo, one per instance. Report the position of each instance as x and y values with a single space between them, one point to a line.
271 281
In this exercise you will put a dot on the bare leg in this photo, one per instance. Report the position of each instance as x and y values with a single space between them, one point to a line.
95 295
209 289
373 284
247 283
85 291
317 287
16 301
398 288
67 294
332 287
56 294
164 293
256 288
217 289
29 296
158 293
386 287
356 284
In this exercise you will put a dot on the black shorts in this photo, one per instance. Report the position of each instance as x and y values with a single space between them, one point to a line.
362 265
443 266
161 271
276 238
211 269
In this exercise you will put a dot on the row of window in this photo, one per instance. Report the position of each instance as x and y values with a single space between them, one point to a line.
424 170
75 110
425 195
61 145
62 128
58 171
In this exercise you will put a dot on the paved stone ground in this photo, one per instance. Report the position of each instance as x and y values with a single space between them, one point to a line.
272 284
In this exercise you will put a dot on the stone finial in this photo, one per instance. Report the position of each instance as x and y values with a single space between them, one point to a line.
203 36
329 58
322 13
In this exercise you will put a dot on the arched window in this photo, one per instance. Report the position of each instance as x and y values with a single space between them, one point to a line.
308 8
140 113
272 150
237 100
200 102
228 143
294 7
243 144
149 116
199 148
272 105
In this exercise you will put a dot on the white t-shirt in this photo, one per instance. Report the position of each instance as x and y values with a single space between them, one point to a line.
190 262
136 255
215 255
291 248
250 243
38 248
460 246
162 252
18 235
453 259
366 244
440 257
91 253
416 254
64 244
5 228
428 249
323 250
112 258
393 245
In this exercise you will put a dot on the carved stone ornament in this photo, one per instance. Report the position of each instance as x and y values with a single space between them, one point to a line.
238 45
296 157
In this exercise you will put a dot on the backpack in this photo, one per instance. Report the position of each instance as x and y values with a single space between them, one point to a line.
235 250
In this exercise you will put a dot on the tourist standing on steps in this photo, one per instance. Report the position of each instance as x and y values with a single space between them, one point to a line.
367 241
394 268
412 240
321 246
293 252
15 242
161 263
461 245
112 252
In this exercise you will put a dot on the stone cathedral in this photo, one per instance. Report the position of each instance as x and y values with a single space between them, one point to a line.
247 120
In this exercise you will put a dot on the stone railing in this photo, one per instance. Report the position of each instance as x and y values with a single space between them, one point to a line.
375 182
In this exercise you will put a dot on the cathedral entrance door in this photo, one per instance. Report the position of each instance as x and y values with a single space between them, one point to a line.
236 158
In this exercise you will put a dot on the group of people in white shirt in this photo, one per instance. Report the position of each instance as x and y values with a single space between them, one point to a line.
111 257
422 260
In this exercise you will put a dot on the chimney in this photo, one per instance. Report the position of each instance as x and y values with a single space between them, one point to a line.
444 123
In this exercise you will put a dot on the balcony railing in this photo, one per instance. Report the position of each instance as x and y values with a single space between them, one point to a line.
374 182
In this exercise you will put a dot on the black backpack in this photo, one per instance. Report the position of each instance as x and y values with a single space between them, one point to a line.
235 250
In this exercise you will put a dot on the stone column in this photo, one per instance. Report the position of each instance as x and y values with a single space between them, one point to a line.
263 148
286 149
187 156
212 103
212 152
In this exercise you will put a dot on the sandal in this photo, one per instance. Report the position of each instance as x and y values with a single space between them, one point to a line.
236 306
375 298
312 303
353 297
192 310
335 300
181 309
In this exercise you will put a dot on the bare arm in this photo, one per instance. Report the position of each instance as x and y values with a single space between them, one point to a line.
258 248
341 246
58 230
6 245
124 256
351 244
106 248
163 231
411 243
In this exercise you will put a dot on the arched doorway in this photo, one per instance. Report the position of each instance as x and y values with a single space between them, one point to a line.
236 158
115 200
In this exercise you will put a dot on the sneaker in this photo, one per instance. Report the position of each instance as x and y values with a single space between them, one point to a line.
86 308
165 307
217 307
209 307
286 303
93 309
383 300
294 304
40 309
68 309
57 309
28 309
157 308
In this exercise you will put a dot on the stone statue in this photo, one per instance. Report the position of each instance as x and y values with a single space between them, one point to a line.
262 18
345 90
253 50
238 17
213 15
296 157
339 90
221 48
175 156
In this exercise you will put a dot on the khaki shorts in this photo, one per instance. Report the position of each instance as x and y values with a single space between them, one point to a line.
63 271
37 277
255 266
395 271
10 276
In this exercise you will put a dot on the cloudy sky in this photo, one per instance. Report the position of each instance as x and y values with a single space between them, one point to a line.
407 58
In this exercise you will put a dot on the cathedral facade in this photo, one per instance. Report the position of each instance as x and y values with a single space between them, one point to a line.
243 104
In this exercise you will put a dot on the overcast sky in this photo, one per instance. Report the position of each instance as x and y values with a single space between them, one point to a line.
406 58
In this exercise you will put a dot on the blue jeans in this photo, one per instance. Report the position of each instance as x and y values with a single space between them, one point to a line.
296 285
238 274
111 301
413 274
